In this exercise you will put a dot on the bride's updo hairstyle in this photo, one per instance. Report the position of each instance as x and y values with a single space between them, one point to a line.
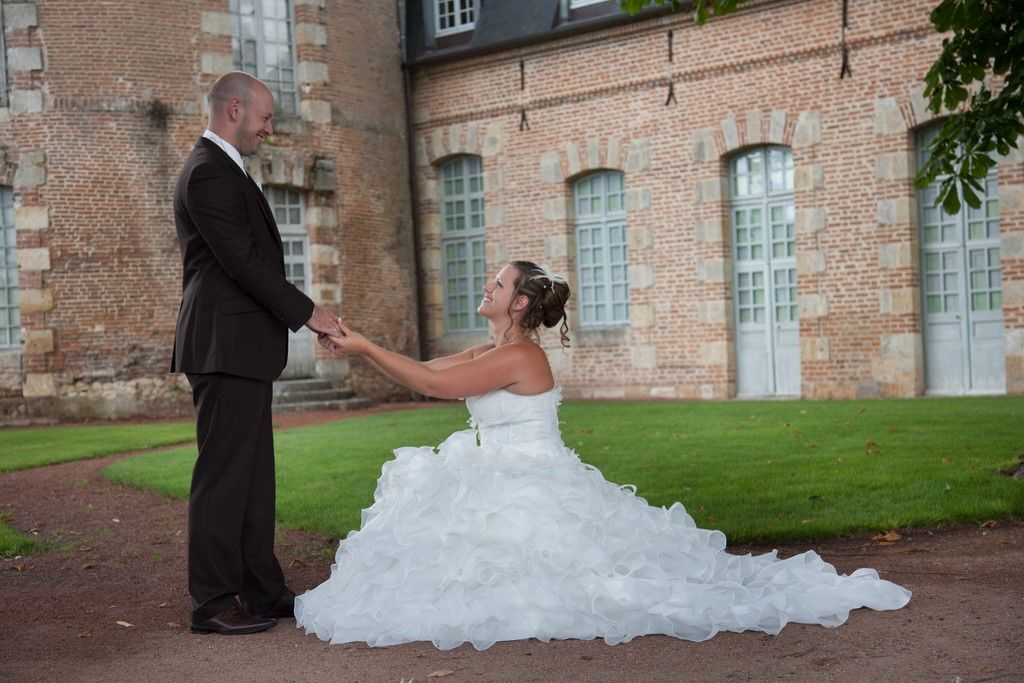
547 294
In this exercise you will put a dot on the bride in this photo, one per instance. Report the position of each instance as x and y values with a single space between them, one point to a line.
501 533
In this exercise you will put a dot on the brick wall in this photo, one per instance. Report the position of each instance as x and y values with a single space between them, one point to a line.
767 75
106 101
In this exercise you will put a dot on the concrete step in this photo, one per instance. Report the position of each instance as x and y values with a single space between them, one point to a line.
307 406
300 386
315 395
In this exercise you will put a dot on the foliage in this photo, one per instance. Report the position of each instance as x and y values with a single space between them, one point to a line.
985 39
701 9
756 470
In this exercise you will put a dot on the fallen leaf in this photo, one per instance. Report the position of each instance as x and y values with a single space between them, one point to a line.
871 448
989 524
440 673
712 519
173 624
126 624
85 634
88 565
888 538
115 520
297 564
17 567
164 604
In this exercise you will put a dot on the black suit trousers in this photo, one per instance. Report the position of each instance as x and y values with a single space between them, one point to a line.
231 505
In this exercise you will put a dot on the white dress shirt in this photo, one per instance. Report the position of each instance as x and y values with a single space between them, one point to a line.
226 146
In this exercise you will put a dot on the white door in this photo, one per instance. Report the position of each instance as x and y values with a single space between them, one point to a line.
964 350
288 210
764 263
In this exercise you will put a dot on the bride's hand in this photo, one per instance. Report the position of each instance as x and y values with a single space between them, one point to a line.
350 341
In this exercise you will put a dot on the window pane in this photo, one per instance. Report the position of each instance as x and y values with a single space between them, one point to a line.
10 333
602 255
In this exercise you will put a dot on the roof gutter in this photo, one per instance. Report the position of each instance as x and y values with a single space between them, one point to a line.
414 199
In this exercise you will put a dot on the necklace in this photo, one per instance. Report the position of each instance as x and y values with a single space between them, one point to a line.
510 340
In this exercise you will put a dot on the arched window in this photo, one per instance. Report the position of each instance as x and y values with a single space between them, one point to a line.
764 265
961 289
602 256
462 242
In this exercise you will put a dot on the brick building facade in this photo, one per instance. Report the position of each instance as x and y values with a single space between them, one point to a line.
823 275
734 220
103 103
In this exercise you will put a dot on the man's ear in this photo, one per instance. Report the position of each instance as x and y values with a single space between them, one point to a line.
235 109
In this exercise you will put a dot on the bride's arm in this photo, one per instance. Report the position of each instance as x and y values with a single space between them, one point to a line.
469 354
492 369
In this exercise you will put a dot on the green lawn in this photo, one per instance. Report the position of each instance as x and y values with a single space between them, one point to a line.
24 448
13 543
756 470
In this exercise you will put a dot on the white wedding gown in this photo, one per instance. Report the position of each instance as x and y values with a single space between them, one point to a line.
503 534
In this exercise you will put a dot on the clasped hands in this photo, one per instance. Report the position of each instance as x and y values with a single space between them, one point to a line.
332 333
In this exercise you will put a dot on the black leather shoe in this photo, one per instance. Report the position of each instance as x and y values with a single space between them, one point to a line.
284 608
234 621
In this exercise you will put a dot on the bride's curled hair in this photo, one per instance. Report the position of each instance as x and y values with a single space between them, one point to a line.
547 294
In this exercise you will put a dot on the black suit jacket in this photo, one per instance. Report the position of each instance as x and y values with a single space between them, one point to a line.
236 305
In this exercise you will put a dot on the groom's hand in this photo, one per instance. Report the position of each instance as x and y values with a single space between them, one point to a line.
324 322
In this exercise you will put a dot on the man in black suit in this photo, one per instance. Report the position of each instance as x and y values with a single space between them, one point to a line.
232 343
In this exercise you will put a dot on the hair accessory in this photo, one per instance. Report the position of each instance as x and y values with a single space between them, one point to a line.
549 276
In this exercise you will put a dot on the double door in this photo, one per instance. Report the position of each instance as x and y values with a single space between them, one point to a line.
764 264
964 348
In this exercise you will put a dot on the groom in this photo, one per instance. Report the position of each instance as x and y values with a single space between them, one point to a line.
232 343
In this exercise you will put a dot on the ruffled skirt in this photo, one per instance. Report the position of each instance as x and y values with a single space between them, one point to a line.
488 543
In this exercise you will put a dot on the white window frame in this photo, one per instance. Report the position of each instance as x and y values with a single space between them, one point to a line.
286 93
611 220
10 322
576 4
289 208
469 237
459 25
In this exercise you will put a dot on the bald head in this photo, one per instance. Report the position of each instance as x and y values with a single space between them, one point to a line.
234 85
241 109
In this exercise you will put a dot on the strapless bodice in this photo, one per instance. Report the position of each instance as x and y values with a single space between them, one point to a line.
502 417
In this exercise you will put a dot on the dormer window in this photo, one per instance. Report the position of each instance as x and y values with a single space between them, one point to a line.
454 16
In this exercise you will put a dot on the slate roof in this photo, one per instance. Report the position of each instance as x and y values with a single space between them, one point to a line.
500 24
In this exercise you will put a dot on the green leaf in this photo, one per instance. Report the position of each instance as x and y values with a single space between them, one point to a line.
942 16
950 201
970 197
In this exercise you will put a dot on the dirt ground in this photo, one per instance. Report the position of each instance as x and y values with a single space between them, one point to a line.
108 602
